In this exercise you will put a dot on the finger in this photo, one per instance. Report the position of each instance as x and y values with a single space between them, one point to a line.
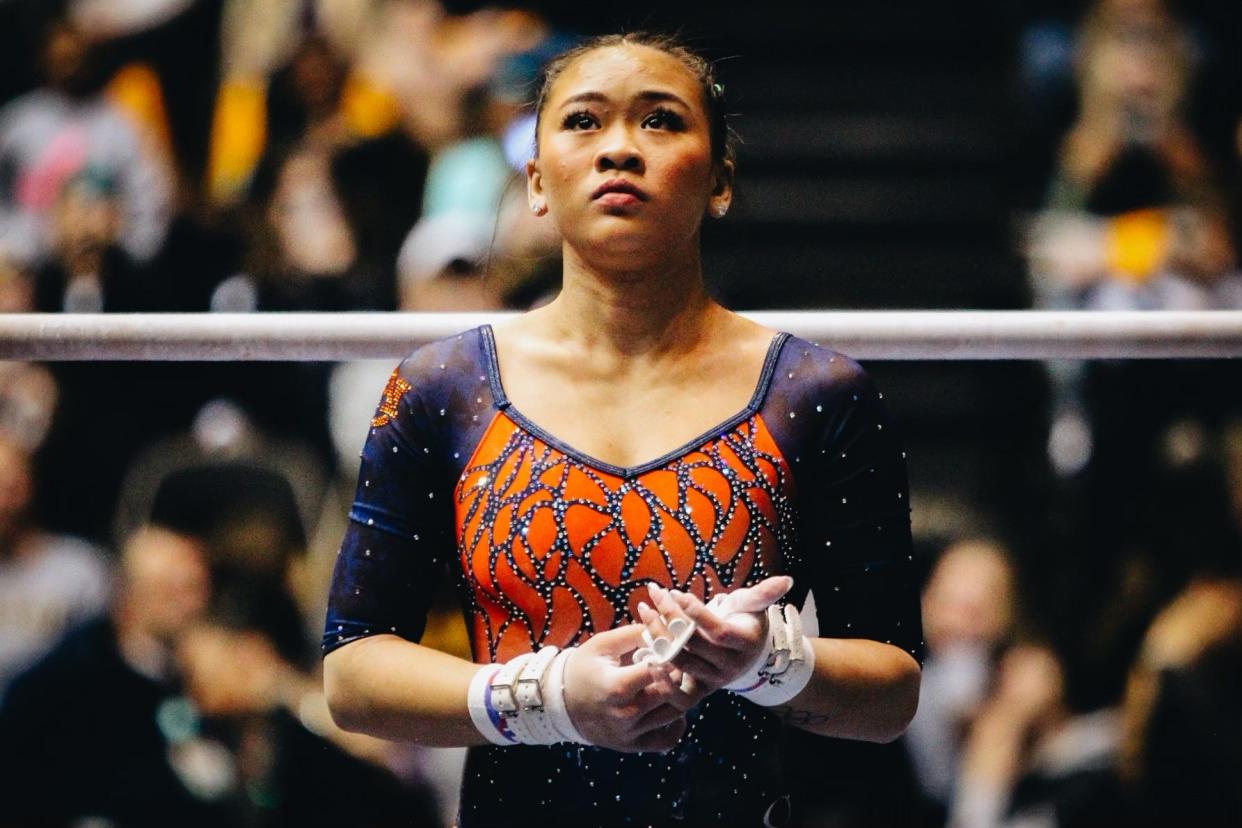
710 625
694 688
616 642
627 681
661 739
665 603
652 621
659 690
657 718
662 678
760 596
672 693
704 670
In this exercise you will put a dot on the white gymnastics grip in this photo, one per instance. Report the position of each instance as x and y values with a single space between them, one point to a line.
663 650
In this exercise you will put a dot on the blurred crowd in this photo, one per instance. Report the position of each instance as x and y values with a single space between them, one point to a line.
163 562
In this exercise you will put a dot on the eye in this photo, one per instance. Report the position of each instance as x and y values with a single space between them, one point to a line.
664 119
579 120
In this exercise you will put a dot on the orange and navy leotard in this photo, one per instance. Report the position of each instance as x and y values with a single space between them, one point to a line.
548 546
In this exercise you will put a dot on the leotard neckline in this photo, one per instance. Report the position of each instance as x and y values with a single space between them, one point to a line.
503 403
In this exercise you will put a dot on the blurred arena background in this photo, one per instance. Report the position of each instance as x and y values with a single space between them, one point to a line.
167 529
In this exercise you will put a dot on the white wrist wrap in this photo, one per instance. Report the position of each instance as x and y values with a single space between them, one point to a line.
554 701
785 665
523 701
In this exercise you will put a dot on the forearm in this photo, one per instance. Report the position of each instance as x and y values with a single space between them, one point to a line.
861 689
388 687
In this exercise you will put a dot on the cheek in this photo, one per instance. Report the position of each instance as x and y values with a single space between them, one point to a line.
690 175
564 171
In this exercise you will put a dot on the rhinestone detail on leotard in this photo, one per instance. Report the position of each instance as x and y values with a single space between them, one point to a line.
554 550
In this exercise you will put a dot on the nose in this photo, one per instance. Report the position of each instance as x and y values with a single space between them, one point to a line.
618 152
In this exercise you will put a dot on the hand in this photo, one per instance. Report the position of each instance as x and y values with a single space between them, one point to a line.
624 706
723 646
1028 685
232 673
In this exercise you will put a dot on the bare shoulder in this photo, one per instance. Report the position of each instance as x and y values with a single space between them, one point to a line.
526 337
747 339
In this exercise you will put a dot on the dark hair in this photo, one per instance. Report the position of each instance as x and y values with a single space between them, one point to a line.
702 69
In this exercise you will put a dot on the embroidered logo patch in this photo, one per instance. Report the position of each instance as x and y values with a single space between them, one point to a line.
393 392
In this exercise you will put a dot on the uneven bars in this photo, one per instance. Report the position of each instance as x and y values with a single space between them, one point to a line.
867 335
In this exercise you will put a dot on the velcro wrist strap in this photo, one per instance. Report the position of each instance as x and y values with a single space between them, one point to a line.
784 667
483 713
532 722
523 701
554 700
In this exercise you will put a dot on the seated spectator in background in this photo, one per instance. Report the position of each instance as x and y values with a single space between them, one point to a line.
1182 755
249 667
1029 761
443 262
51 135
968 614
1133 219
1044 746
304 251
89 731
249 500
86 269
1182 752
286 762
48 582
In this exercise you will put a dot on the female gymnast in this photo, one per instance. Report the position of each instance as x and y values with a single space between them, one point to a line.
637 492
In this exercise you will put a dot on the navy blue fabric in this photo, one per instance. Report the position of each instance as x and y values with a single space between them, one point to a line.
853 544
401 535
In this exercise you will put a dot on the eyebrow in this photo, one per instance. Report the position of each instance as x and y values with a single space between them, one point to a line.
651 95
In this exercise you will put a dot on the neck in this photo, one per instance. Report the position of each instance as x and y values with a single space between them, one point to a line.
643 310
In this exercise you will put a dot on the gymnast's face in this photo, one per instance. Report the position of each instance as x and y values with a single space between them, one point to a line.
624 162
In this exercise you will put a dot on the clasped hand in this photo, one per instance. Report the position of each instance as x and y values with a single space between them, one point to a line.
630 707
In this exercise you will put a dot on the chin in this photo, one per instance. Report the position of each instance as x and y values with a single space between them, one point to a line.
629 247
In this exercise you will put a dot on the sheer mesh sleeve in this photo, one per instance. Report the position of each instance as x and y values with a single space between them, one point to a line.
854 548
400 525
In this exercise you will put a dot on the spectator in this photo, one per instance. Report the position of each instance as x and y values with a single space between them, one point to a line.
1182 754
89 730
305 254
51 135
48 583
290 765
1133 218
968 613
247 499
1029 761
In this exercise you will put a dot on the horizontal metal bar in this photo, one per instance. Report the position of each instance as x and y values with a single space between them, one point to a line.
868 335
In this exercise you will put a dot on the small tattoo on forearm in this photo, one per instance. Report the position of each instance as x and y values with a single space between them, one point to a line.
802 718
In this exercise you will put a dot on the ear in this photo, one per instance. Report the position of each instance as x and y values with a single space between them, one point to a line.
722 190
534 182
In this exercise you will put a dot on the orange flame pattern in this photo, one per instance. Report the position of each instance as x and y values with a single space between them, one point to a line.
553 549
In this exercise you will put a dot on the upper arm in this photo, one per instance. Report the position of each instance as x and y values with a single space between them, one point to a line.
399 537
854 547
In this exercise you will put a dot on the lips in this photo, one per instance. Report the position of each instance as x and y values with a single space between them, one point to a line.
619 186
